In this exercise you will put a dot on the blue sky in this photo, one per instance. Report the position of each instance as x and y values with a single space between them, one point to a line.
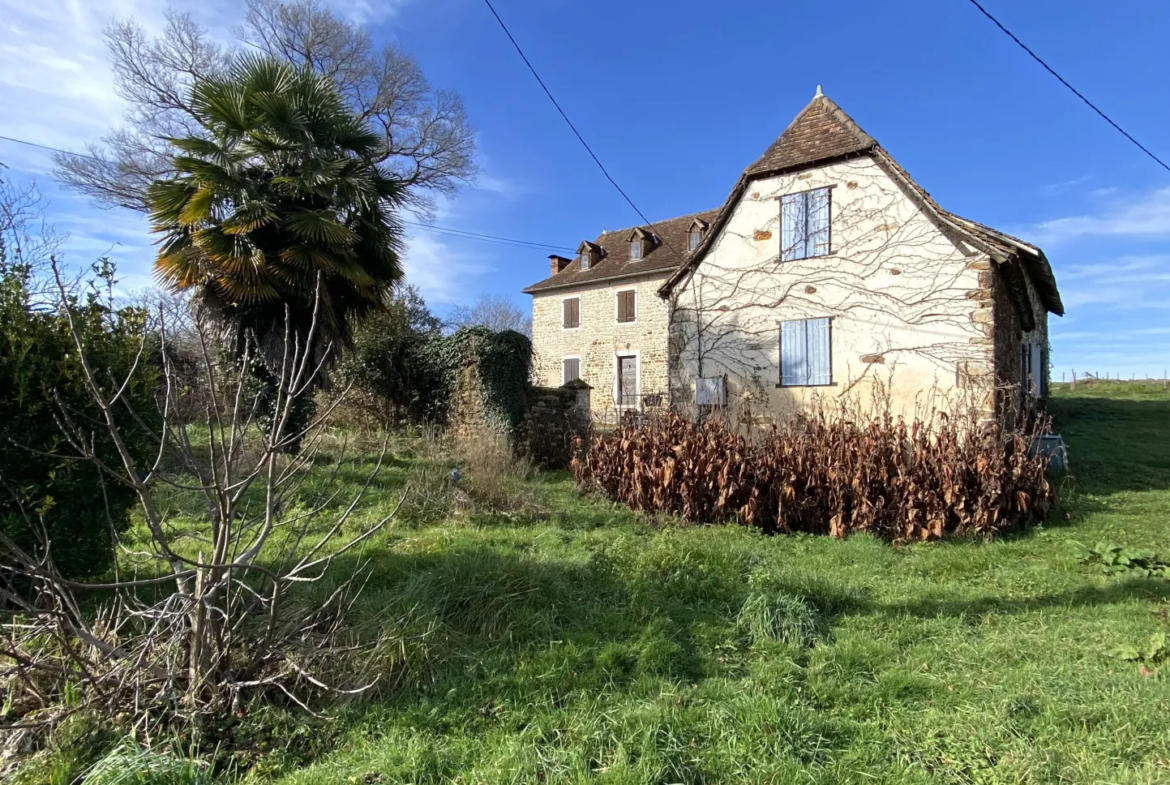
677 97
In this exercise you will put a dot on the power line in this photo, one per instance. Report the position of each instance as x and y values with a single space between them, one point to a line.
46 147
487 237
572 127
491 238
1064 82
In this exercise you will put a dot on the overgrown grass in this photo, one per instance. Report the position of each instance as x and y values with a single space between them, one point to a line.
579 643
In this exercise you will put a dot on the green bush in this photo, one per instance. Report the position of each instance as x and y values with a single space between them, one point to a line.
43 485
412 373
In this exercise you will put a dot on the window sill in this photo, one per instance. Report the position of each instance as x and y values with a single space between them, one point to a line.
783 386
804 258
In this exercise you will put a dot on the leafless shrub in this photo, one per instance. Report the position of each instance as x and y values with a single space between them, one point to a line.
197 619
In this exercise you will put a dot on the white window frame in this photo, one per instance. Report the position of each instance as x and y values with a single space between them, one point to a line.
780 345
639 244
616 306
694 239
637 355
580 313
806 194
580 372
585 261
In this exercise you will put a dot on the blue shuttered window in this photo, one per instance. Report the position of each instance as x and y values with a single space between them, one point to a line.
806 357
793 356
804 224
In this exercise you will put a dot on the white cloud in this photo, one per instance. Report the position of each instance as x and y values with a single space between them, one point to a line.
1147 216
498 185
1131 282
367 12
1056 188
446 272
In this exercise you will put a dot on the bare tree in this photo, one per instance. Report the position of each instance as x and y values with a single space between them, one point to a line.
495 313
26 239
428 140
194 620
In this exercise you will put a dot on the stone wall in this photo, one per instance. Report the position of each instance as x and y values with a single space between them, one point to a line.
601 339
554 419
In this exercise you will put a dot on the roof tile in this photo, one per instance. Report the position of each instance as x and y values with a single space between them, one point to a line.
615 261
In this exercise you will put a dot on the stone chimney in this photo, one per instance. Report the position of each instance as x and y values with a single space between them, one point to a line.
558 263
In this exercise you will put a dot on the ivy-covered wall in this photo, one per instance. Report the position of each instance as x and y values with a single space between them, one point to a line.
486 374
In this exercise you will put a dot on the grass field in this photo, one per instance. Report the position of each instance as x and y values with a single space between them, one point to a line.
583 644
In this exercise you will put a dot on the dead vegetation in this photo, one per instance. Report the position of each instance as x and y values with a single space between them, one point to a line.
825 474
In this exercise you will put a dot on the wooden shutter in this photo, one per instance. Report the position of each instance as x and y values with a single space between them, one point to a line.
572 313
793 224
818 223
710 391
793 354
820 355
570 369
1037 388
627 305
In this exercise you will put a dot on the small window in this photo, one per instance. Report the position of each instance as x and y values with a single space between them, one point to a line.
571 313
570 369
806 357
627 306
804 224
636 251
585 258
693 239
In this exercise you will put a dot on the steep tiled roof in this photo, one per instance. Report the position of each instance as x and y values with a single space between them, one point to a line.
615 261
821 131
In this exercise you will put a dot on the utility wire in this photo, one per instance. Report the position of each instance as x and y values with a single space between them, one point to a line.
487 237
46 147
572 127
1064 82
428 227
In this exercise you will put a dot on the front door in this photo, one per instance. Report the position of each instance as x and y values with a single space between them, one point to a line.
627 381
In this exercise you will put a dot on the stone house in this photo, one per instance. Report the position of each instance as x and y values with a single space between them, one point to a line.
828 273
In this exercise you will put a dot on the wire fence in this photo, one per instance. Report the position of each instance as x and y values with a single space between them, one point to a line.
1074 377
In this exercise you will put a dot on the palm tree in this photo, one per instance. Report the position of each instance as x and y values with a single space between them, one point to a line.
279 205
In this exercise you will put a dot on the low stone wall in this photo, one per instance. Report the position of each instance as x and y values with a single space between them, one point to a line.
553 418
556 416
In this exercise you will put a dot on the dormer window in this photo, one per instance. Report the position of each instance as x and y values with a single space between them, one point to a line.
695 234
587 254
641 243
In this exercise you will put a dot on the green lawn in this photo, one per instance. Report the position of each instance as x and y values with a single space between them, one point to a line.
592 646
587 645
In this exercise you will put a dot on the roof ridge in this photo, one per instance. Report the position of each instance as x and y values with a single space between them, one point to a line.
656 223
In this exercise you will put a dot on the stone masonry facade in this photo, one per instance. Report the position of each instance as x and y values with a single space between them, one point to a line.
601 339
